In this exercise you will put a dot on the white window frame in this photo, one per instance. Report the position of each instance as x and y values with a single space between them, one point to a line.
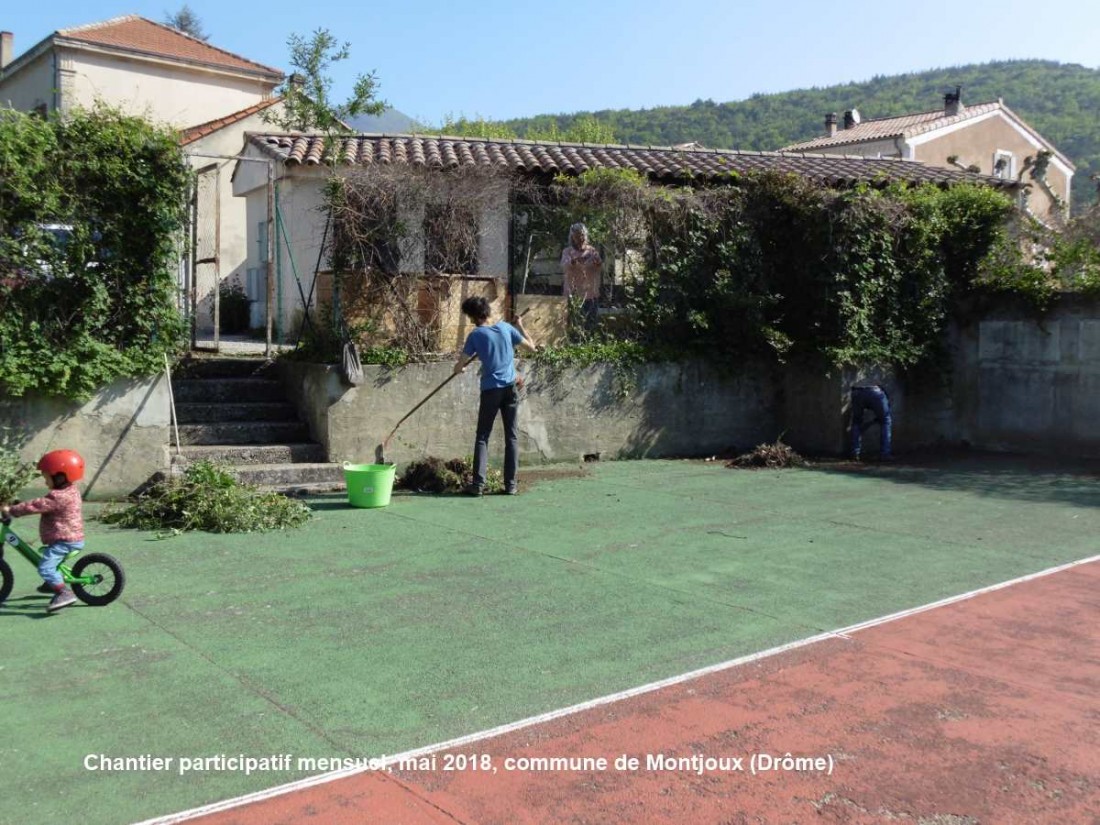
1010 172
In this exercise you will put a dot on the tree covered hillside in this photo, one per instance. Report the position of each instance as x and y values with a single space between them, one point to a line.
1062 101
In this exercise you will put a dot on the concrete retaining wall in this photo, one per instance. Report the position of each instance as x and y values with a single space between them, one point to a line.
666 410
1013 383
123 432
1022 384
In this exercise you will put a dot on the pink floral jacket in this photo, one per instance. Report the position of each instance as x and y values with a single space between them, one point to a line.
62 519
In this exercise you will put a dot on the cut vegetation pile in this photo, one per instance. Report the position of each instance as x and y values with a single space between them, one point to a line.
436 475
207 497
770 456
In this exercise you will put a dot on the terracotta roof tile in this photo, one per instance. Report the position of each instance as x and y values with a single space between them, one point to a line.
884 128
193 133
908 126
137 34
658 162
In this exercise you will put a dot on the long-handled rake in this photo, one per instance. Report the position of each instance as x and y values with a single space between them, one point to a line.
380 450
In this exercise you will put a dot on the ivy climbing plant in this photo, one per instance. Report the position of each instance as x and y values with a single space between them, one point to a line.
90 210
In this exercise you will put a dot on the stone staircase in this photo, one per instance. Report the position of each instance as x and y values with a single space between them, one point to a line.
234 411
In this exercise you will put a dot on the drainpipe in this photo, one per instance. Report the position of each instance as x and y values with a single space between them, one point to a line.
278 268
56 80
270 253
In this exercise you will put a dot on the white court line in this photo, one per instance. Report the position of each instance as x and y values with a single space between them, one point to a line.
843 633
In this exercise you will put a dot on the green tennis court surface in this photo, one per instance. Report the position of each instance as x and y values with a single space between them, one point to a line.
369 633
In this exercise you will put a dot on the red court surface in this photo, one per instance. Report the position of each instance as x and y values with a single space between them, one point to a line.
980 711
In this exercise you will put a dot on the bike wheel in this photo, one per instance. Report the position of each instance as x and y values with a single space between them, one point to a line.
109 579
7 580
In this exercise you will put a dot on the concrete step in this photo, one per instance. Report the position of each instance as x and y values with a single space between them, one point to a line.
212 390
264 432
290 475
225 411
240 454
311 489
198 367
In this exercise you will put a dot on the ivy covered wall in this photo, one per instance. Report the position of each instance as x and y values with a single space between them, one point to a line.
91 207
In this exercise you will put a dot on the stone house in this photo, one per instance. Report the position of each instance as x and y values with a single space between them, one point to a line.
988 138
497 264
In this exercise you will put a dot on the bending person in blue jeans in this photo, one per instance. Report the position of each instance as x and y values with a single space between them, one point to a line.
875 399
494 345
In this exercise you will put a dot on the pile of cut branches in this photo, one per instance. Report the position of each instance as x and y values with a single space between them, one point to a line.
770 456
436 475
208 497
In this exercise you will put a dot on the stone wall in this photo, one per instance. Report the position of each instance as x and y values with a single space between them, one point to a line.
122 433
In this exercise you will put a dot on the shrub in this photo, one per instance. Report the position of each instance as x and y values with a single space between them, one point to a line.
76 315
15 474
779 265
234 309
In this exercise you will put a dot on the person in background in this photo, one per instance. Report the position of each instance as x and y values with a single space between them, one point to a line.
872 398
580 266
494 345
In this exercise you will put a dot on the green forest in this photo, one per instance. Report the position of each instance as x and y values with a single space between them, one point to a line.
1060 100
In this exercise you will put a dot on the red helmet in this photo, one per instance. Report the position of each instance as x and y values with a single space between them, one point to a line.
66 462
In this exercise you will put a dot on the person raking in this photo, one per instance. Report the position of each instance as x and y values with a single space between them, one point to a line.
494 345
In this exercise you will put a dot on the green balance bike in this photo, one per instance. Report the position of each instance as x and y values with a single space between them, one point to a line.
95 578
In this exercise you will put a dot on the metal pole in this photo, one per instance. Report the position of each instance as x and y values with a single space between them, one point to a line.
172 403
270 254
217 257
193 291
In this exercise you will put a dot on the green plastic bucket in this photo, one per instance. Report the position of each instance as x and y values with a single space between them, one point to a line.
369 485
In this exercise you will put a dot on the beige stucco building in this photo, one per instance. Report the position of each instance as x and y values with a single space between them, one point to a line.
210 95
988 138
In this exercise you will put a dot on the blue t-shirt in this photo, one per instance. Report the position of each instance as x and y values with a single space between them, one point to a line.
495 347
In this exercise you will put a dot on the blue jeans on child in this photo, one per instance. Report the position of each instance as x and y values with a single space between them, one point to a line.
52 556
871 398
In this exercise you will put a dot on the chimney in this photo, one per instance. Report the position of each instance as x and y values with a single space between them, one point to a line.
953 103
849 119
830 124
7 44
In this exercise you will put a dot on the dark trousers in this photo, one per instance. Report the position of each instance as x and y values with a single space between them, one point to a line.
875 400
505 401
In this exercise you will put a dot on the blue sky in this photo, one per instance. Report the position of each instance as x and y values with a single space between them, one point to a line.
503 59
